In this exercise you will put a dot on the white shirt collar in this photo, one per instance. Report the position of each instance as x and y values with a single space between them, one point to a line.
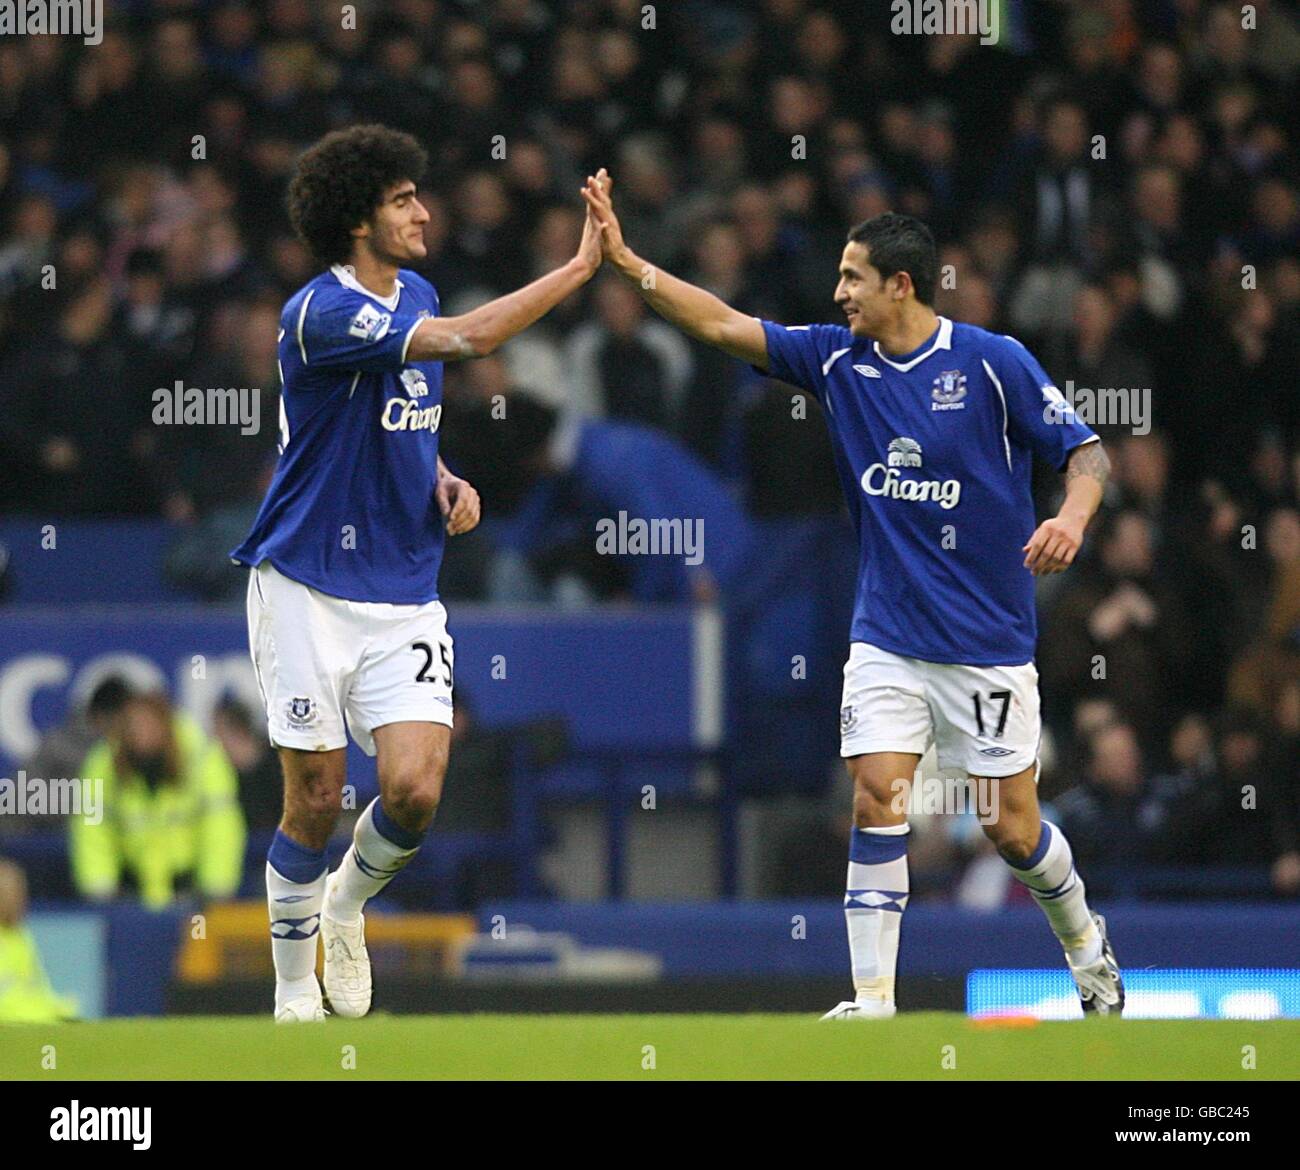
346 279
942 340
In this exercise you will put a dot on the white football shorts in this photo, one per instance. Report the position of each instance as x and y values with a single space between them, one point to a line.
983 720
320 660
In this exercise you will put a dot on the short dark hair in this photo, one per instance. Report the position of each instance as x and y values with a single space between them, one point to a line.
109 697
339 182
900 243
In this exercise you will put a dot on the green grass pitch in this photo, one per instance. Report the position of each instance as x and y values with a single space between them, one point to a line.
930 1046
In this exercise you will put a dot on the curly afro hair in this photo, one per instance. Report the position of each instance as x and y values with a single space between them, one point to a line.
339 182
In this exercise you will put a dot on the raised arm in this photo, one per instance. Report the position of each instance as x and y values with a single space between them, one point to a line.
479 332
691 309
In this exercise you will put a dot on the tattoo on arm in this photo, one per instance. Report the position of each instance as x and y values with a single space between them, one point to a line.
1091 460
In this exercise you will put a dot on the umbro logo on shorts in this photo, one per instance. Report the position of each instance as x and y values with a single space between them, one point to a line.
998 752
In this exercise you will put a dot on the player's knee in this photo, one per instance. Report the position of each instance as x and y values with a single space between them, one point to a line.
411 796
313 795
1014 841
873 810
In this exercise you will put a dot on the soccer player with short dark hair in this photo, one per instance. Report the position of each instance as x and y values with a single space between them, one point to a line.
345 626
934 426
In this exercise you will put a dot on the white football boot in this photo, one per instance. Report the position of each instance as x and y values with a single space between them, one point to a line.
1101 989
861 1009
303 1009
347 963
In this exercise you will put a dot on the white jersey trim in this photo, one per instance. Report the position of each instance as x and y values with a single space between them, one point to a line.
942 340
988 369
302 317
406 342
830 361
347 280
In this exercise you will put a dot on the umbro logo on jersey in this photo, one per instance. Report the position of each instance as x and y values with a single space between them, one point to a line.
868 371
370 324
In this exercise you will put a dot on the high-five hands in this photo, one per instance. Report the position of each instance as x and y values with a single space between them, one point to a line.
598 194
591 250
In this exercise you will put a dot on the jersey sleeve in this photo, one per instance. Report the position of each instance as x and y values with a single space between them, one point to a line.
1038 415
341 329
802 354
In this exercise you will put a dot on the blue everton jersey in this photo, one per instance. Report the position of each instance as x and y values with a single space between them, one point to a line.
934 449
351 509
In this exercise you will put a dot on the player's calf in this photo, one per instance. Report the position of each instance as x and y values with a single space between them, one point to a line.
877 889
391 829
295 876
313 794
1041 859
388 834
412 764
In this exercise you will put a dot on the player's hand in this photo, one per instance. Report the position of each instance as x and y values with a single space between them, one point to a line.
591 249
459 504
599 193
1053 546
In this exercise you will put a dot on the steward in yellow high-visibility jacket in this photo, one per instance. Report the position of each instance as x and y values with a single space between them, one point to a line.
170 813
26 996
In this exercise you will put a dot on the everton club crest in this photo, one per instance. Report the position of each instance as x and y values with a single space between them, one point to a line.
301 712
949 391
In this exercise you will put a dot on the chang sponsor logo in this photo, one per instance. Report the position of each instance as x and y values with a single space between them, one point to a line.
888 481
403 414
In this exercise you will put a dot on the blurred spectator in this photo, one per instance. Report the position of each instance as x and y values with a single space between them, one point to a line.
243 738
789 465
1283 765
75 446
63 749
1274 660
1240 813
597 478
1096 359
627 363
170 817
1118 631
26 996
1101 816
206 467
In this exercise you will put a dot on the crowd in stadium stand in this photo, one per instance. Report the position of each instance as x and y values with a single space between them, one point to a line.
1116 185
